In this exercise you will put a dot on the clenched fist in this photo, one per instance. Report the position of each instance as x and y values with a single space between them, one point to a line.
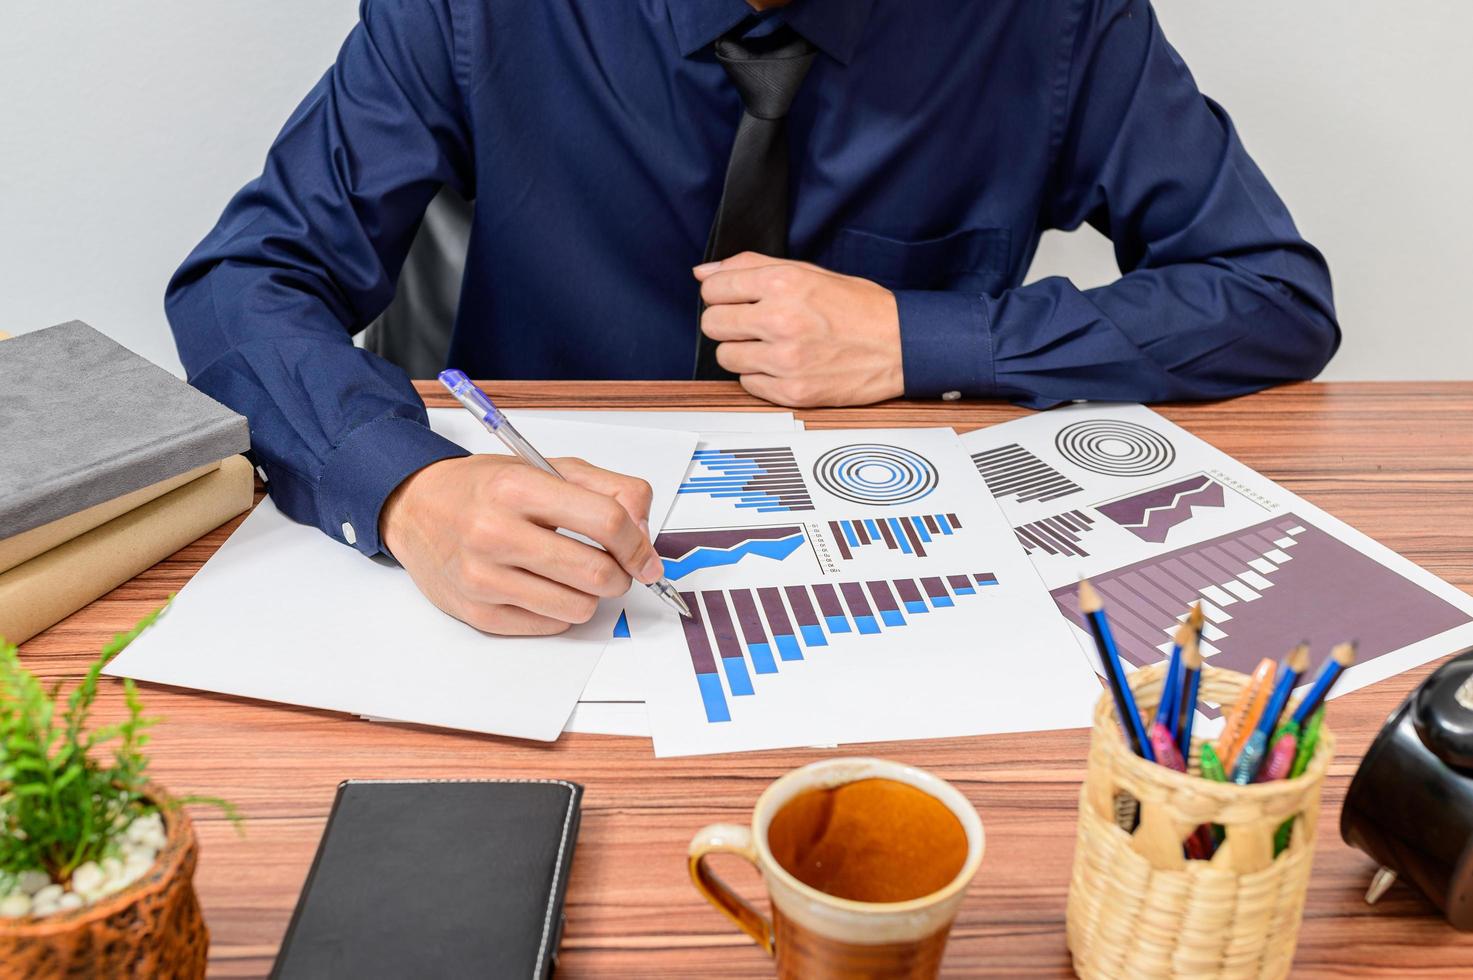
478 536
799 335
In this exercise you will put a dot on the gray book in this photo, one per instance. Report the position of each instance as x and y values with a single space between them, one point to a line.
83 420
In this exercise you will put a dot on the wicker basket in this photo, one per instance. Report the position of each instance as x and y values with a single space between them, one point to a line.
153 928
1138 907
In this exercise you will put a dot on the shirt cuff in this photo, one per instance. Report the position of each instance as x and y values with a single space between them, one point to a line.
945 344
363 469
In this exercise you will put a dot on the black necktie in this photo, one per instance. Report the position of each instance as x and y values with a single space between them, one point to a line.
753 214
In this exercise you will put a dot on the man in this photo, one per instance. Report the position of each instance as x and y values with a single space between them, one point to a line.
632 160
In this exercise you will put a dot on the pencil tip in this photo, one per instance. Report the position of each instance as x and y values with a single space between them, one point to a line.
1089 599
1344 654
1196 617
1298 660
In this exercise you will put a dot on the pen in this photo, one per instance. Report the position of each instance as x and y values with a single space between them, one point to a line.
1245 711
476 402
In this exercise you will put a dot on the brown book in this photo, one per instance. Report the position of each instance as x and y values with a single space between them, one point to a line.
51 586
28 544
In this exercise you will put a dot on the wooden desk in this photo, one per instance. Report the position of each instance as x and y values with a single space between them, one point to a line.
1395 460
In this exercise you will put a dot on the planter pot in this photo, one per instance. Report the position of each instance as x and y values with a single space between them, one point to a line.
152 928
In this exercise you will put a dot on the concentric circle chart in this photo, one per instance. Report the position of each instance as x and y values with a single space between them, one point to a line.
871 473
1114 447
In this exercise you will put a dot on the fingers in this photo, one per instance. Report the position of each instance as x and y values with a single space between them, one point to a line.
746 357
559 558
749 277
485 584
505 620
551 502
632 492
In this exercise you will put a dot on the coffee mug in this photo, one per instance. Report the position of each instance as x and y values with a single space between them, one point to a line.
865 861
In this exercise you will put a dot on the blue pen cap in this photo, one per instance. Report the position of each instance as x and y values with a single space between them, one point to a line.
473 398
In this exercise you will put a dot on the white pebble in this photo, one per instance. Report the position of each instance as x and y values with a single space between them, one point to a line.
87 878
39 909
15 906
48 894
69 901
30 882
111 868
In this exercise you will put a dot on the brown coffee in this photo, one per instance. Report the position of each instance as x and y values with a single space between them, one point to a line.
873 840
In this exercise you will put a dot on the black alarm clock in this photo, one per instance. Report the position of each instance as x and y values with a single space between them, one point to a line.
1410 805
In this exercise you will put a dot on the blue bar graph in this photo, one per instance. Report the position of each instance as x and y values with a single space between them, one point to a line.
733 626
908 535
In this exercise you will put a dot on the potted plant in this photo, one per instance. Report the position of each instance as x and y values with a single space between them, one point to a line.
96 863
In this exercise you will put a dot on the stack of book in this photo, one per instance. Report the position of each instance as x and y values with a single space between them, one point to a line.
108 464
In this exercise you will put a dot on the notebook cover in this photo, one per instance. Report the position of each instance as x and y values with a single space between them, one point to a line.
28 544
436 878
83 420
51 586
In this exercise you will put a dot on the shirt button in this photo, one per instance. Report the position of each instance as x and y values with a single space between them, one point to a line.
951 396
349 535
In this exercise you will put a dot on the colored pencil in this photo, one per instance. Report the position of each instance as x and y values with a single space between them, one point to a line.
1255 749
1212 768
1341 657
1168 711
1281 758
1130 719
1165 748
1191 660
1307 743
1244 712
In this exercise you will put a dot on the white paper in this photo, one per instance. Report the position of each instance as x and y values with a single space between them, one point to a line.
685 421
609 718
1137 494
282 613
619 677
972 659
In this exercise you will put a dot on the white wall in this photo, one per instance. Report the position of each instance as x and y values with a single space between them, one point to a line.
124 128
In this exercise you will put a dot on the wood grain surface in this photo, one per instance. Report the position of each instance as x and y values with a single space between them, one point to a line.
1395 460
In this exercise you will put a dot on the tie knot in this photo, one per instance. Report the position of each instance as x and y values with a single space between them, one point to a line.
766 71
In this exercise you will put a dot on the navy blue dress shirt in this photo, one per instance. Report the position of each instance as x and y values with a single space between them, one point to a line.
932 143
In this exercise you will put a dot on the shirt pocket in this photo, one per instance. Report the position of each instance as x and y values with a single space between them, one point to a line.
972 259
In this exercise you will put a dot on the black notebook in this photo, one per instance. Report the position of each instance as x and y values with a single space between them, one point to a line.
436 878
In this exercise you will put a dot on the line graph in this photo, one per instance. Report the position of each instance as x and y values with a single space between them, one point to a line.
685 552
1151 515
738 639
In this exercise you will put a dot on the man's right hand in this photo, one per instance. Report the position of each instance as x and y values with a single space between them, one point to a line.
478 536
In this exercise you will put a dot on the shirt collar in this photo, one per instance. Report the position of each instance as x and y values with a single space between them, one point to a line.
834 26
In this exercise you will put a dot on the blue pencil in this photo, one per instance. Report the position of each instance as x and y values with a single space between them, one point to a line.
1130 718
1341 657
1256 748
1166 710
1191 659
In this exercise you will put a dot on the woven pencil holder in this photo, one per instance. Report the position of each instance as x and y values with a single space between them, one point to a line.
1138 907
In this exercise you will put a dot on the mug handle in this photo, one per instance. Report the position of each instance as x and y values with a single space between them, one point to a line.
726 838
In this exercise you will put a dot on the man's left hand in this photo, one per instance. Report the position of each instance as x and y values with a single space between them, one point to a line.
799 335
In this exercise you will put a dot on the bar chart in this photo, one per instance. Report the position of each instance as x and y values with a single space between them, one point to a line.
1014 470
1057 535
763 480
1263 589
907 535
737 637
